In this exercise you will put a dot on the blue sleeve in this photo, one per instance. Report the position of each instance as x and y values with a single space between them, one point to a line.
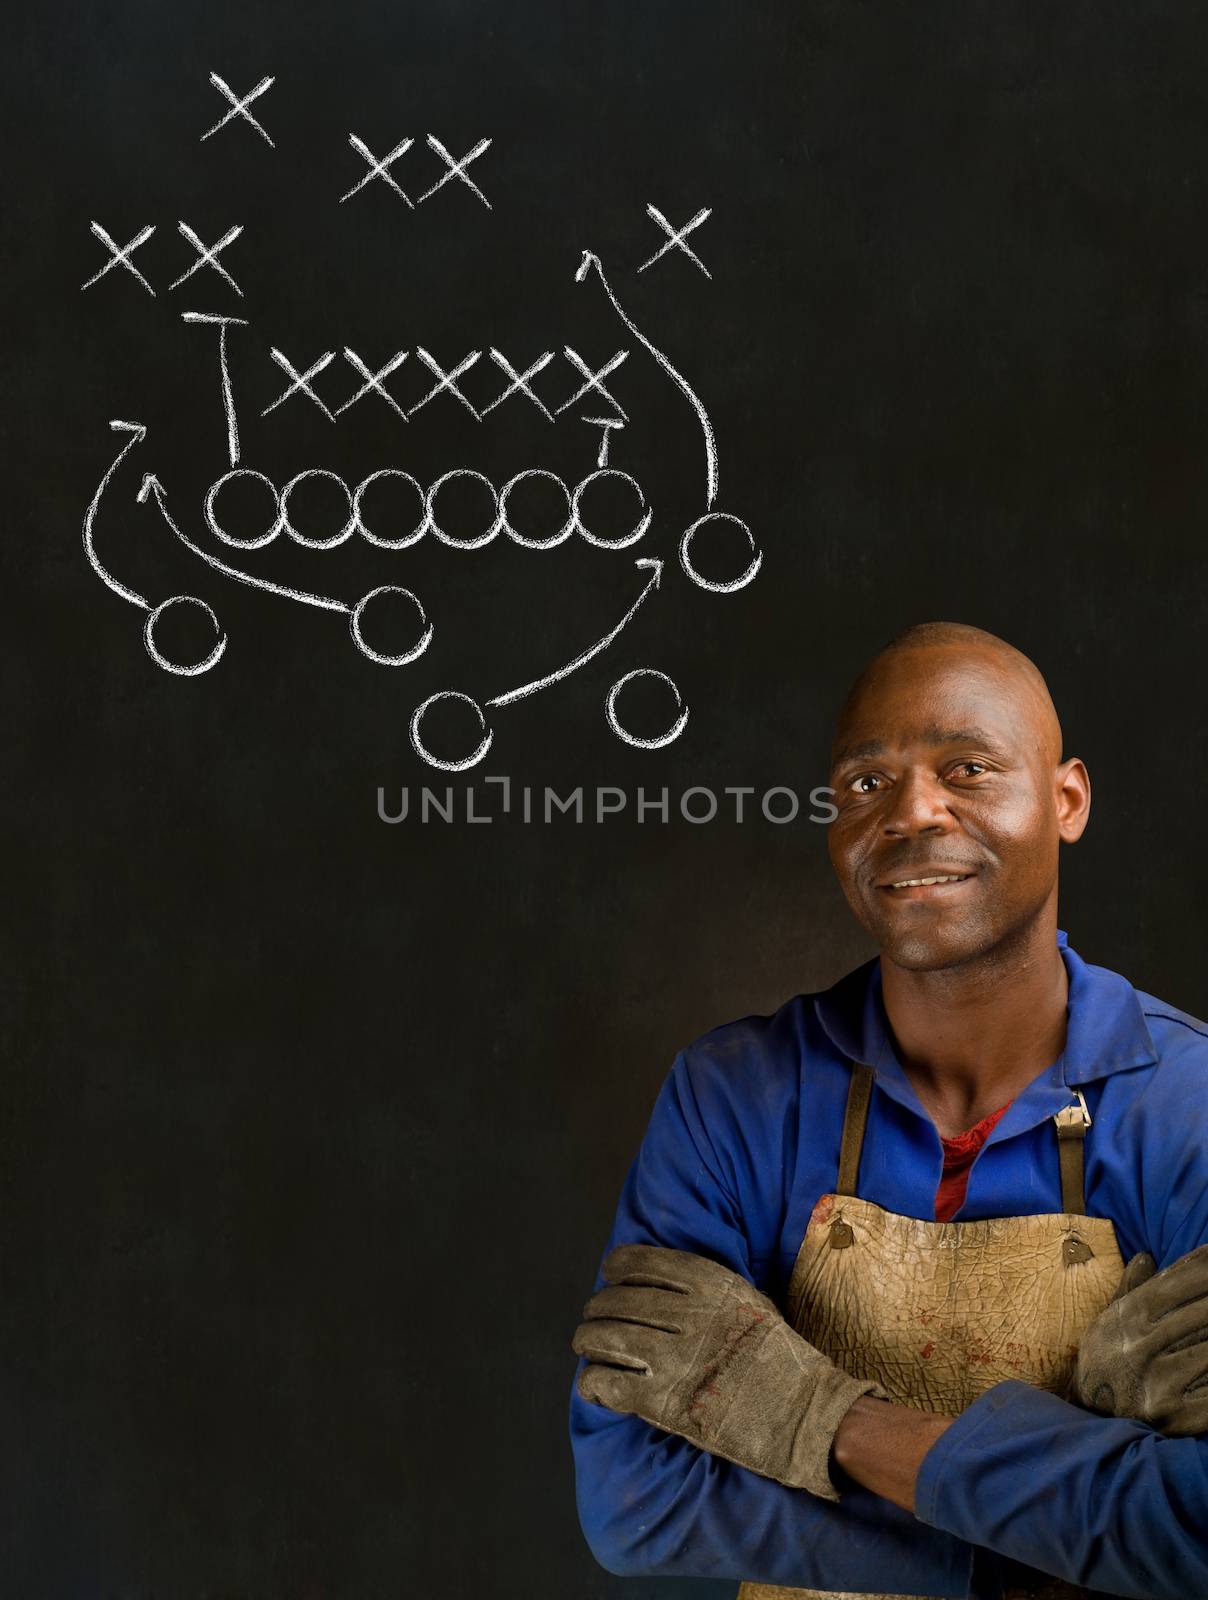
651 1504
1099 1501
1108 1503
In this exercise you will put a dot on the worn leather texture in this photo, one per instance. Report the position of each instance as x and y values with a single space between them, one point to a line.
696 1350
939 1312
1146 1357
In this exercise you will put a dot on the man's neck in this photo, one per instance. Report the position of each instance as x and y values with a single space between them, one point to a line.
970 1038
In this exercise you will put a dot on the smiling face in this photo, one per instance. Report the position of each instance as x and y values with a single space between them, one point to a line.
952 799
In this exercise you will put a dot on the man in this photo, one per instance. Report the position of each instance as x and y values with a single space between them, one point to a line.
862 1324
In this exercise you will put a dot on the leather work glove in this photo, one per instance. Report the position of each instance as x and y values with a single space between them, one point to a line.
694 1349
1145 1355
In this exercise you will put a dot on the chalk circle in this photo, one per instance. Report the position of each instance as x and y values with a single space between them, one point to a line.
416 533
635 532
447 538
260 539
346 532
157 655
425 754
686 560
416 650
567 528
657 743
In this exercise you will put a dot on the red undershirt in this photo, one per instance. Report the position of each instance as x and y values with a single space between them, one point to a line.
959 1154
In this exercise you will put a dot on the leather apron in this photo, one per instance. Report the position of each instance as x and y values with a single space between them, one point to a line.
938 1312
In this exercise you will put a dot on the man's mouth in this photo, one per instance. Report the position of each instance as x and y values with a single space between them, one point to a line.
919 883
924 884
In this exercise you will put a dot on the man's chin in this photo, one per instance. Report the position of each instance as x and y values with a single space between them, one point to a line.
934 944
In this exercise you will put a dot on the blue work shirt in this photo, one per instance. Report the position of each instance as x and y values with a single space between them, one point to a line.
744 1138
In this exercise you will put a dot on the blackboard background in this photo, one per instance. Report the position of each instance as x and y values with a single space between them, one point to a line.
312 1127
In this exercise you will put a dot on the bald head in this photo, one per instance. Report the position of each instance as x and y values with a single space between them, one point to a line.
1020 681
952 797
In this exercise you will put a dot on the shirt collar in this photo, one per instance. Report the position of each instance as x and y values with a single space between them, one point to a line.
1106 1033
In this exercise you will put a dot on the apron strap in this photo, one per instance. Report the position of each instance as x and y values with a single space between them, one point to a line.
859 1092
1071 1125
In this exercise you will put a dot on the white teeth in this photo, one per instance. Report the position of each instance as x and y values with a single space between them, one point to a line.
916 883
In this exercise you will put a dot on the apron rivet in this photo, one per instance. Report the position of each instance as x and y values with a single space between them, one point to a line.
1075 1249
841 1235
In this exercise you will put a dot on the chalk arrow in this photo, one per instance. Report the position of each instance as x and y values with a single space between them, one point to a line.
593 650
137 434
590 260
152 486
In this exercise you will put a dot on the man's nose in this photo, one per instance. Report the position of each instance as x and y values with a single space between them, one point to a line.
919 805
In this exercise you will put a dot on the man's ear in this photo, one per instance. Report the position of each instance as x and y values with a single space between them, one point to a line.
1072 791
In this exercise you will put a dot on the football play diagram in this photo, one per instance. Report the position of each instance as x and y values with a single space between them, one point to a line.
310 381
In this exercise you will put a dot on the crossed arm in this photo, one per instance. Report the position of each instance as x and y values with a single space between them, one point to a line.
1101 1500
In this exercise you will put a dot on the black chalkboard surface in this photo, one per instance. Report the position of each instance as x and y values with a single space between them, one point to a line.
419 412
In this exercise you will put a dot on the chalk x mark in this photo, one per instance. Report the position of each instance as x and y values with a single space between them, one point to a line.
120 255
457 169
378 169
300 384
595 380
207 255
527 689
447 380
239 107
374 380
519 383
590 259
676 238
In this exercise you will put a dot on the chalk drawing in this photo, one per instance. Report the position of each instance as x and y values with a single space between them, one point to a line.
656 573
137 433
374 381
406 656
239 107
519 383
119 255
608 424
207 255
745 577
362 511
594 384
426 755
656 743
152 488
676 239
457 169
590 260
228 397
497 521
639 527
446 383
401 543
378 169
162 660
563 533
300 385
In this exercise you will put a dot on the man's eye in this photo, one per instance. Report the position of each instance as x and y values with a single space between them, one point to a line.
969 769
866 783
